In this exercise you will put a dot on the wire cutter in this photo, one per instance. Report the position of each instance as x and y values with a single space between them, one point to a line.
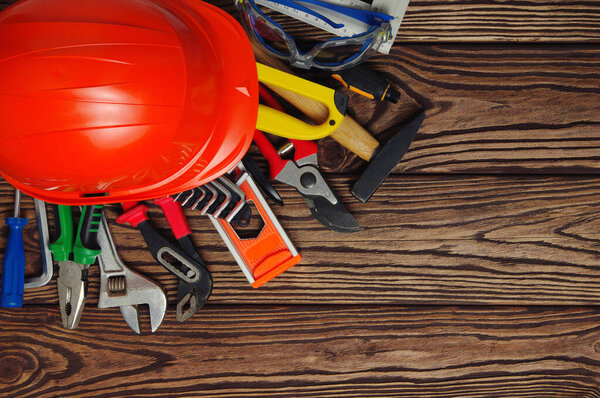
74 255
303 174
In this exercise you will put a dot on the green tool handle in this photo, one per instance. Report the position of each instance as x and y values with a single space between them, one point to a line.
86 247
63 245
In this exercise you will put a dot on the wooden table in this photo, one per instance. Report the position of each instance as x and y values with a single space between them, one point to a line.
478 273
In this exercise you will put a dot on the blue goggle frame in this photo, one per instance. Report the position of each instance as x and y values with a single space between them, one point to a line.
378 32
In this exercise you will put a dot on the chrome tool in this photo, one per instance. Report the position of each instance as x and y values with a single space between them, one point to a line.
74 255
124 288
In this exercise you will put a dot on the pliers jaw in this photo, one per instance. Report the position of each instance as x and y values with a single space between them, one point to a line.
307 180
72 290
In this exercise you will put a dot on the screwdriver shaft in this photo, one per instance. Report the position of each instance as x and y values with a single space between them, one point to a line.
17 209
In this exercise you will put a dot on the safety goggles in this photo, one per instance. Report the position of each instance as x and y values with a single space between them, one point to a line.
333 54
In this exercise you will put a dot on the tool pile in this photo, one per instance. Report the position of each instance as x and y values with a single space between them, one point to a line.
181 164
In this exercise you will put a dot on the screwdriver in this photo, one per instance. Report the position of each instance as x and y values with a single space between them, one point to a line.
13 266
367 82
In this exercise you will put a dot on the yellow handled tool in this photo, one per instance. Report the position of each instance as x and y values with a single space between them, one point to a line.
279 123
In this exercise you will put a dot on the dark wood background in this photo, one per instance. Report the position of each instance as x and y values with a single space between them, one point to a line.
477 274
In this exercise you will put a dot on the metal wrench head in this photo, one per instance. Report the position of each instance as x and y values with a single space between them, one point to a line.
124 288
131 316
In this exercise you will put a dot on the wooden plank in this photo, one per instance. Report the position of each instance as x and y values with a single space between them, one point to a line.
457 240
436 21
334 351
490 109
524 21
480 21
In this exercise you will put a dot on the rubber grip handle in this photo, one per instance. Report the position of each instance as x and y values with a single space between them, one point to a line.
276 164
364 82
62 247
303 148
133 215
350 134
175 216
86 247
275 122
13 266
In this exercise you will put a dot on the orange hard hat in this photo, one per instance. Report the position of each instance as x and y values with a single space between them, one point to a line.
120 100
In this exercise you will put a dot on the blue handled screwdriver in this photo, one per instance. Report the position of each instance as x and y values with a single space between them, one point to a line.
13 266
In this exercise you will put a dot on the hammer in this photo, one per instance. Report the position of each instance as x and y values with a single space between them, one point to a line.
382 158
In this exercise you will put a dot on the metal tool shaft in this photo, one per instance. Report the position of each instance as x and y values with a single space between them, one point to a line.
17 209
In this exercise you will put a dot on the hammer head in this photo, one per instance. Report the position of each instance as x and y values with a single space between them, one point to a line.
386 158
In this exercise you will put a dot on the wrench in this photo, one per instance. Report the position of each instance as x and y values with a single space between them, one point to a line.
121 287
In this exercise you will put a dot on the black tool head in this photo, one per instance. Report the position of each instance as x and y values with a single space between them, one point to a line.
335 217
263 183
386 159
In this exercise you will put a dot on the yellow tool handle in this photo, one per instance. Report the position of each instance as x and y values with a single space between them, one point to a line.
279 123
349 133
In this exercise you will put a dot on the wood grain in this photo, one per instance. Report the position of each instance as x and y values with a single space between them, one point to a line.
435 21
475 217
334 351
485 21
456 240
489 109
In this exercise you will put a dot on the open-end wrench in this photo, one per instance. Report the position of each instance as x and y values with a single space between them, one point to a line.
121 287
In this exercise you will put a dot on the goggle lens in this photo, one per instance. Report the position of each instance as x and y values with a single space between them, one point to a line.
337 55
266 33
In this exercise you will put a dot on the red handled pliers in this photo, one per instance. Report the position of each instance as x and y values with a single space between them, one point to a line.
303 174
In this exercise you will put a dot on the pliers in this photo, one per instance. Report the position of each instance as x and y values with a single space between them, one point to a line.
195 281
303 174
74 255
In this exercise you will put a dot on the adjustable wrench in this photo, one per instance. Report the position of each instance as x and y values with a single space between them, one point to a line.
121 287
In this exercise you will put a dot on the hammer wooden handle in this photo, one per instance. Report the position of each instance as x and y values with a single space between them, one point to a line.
350 134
